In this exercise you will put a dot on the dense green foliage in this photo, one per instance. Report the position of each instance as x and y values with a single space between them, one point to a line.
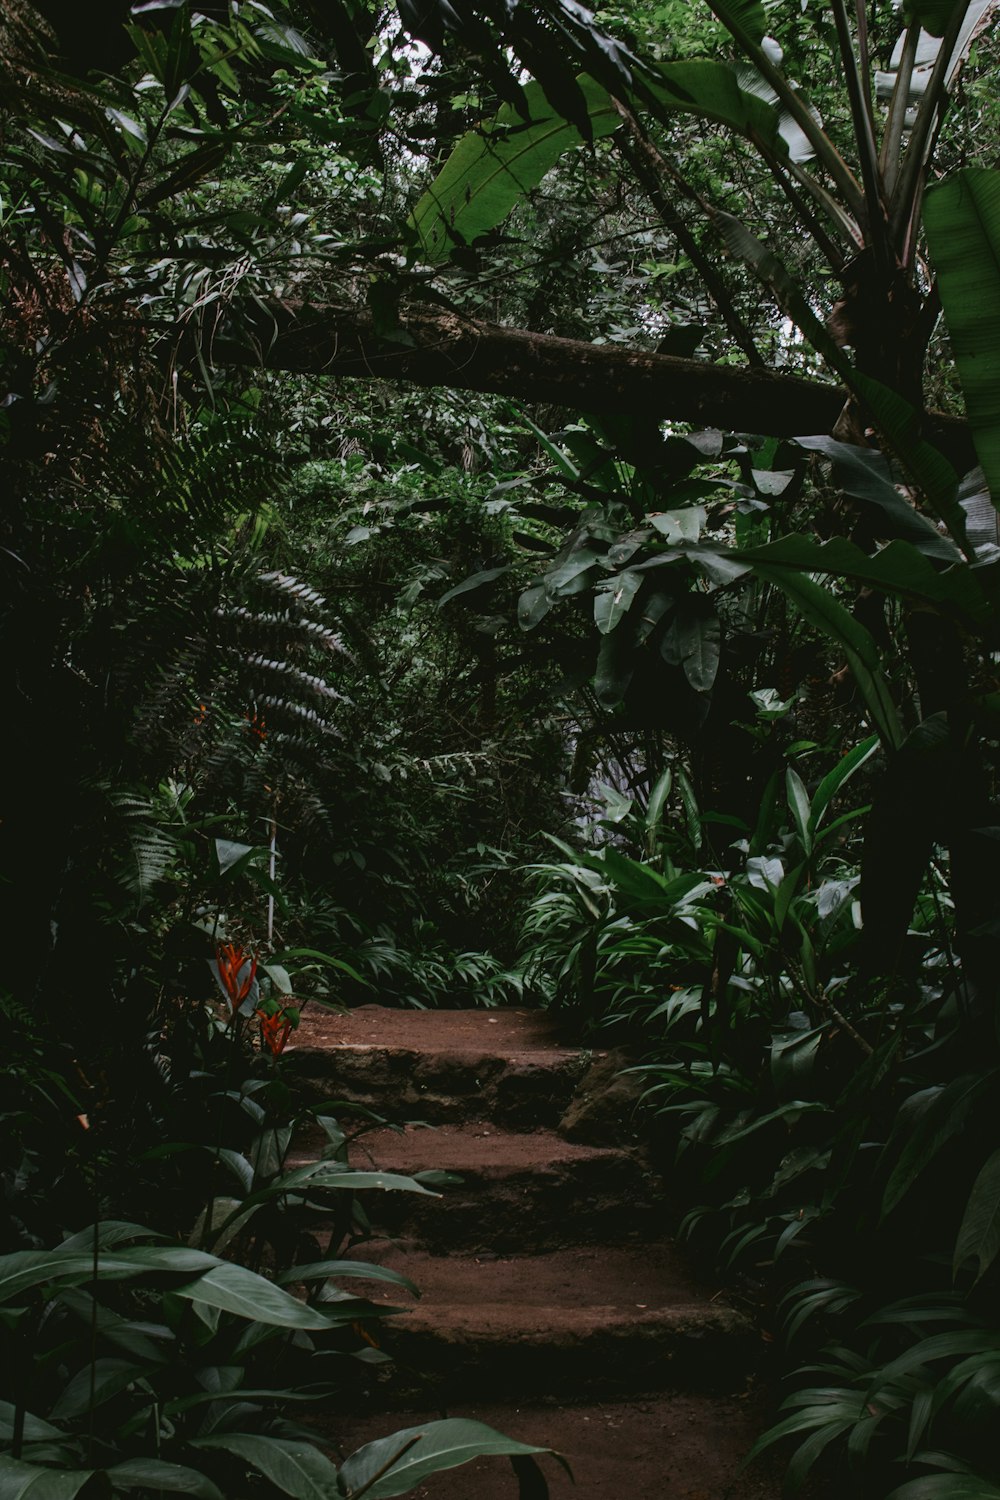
304 674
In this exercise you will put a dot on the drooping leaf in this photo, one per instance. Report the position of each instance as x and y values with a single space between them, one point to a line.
24 1481
156 1474
979 1235
354 1269
423 1451
962 218
236 1290
947 1487
93 1385
693 642
712 91
864 474
930 471
476 581
297 1468
492 169
821 609
744 16
943 1117
613 599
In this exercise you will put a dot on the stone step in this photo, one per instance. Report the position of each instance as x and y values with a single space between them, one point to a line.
519 1191
504 1065
663 1447
585 1322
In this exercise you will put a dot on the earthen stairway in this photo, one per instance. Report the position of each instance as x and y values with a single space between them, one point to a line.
553 1307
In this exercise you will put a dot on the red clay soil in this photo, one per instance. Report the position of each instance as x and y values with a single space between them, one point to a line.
676 1447
554 1307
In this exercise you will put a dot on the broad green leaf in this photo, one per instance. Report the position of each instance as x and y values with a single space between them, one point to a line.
297 1468
712 90
476 581
799 807
28 1268
943 1118
155 1474
929 470
533 605
947 1487
962 218
35 1429
492 169
745 16
423 1451
613 598
820 608
693 642
234 1289
680 525
23 1481
933 15
355 1269
93 1386
863 473
898 569
654 807
835 779
232 856
979 1235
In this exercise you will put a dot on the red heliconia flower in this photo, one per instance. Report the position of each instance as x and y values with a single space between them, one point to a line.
236 973
275 1030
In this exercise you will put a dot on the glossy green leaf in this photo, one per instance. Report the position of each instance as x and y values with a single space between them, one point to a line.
936 1124
354 1269
712 91
946 1487
979 1235
746 16
24 1481
933 15
156 1474
821 609
864 474
423 1451
694 642
928 470
962 218
492 169
92 1386
234 1289
295 1467
613 599
897 569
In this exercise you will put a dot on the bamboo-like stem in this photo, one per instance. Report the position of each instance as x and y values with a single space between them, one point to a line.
857 94
817 137
892 140
931 108
850 233
651 167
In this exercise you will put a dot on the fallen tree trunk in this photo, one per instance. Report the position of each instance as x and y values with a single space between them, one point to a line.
430 348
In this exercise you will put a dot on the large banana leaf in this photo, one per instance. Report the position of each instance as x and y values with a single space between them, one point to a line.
493 168
715 91
962 217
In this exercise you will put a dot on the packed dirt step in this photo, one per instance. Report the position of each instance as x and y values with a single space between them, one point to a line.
439 1066
501 1190
674 1447
553 1305
589 1321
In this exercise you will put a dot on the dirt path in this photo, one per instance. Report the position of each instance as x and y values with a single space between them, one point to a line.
553 1307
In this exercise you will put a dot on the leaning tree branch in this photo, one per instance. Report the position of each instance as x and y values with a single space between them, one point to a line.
434 348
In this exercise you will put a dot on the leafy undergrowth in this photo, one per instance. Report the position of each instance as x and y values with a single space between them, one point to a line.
835 1138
